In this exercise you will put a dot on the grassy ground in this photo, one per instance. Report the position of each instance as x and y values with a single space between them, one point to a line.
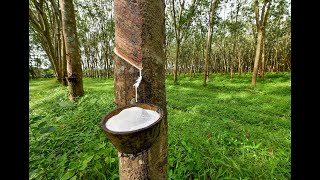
226 130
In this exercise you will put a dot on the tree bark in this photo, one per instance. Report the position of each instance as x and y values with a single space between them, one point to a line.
256 59
261 22
64 62
74 68
175 70
208 45
151 164
263 46
231 69
59 44
191 68
239 64
177 33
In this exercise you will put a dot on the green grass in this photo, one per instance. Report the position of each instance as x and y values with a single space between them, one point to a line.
226 130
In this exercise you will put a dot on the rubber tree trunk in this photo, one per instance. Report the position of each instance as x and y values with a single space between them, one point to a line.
191 68
74 68
176 60
261 22
239 64
213 7
64 62
152 163
257 58
263 46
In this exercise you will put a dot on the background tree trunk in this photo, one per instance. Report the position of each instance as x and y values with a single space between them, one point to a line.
256 59
213 8
64 62
72 49
263 56
175 70
261 22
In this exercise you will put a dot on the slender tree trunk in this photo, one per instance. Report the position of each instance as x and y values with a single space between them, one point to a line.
106 64
257 58
56 41
285 56
105 67
74 68
276 62
177 33
59 43
213 8
87 67
64 61
263 55
206 58
108 70
191 68
231 70
239 64
152 163
261 22
175 71
235 43
266 61
224 64
166 42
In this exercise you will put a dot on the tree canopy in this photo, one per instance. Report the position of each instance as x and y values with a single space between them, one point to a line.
232 46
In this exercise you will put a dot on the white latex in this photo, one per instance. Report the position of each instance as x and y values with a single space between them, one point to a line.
132 119
136 85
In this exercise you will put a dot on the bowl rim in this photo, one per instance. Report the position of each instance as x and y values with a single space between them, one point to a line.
120 108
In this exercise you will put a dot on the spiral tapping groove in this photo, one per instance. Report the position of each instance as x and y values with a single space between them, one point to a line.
128 31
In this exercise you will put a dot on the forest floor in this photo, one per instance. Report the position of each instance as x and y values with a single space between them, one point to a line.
226 130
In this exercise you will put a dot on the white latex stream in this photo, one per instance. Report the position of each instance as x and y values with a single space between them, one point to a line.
136 85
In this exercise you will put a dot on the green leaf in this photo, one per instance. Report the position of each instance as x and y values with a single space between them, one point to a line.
84 166
74 178
255 147
111 160
48 130
63 157
42 124
235 164
115 176
106 159
101 145
74 165
34 174
170 173
88 159
85 162
184 143
67 175
34 119
98 165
